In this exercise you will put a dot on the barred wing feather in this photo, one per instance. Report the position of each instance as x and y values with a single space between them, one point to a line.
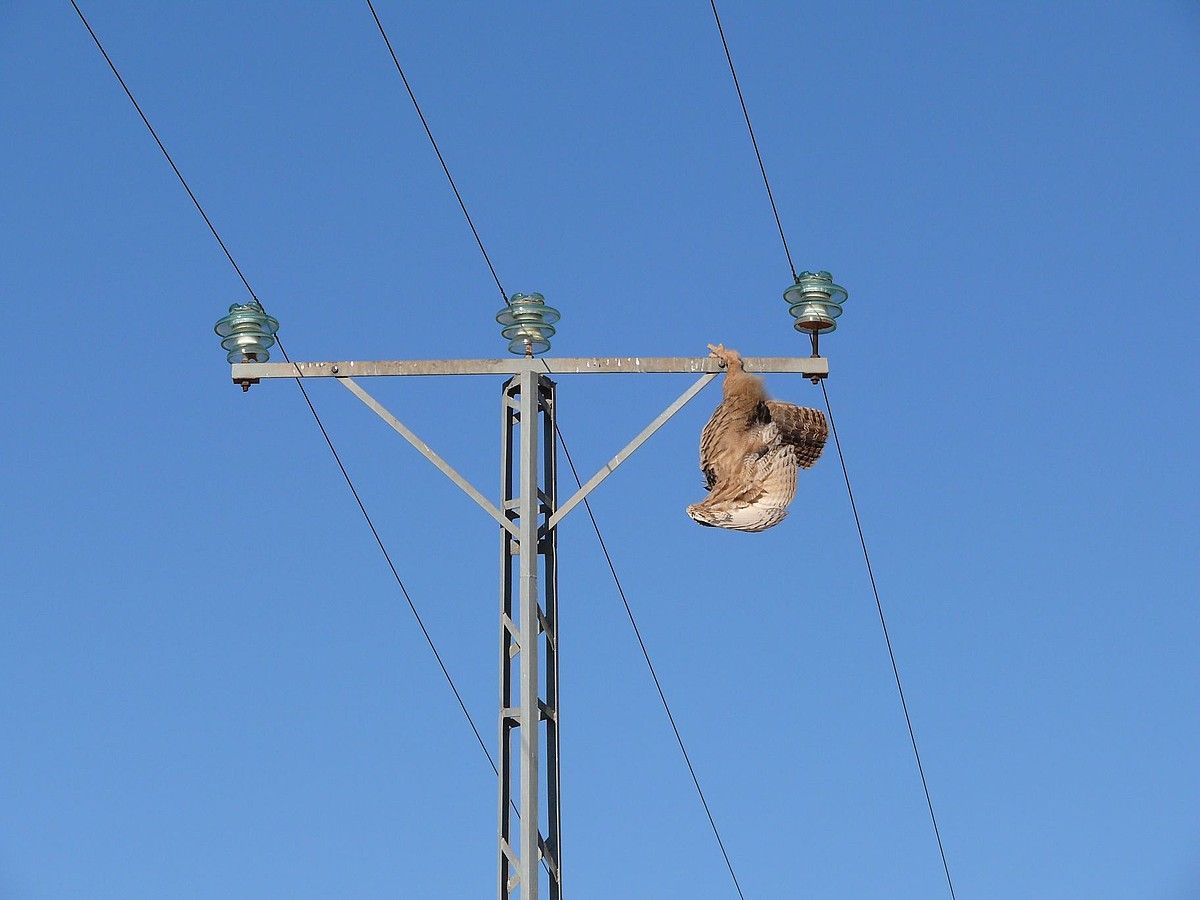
802 427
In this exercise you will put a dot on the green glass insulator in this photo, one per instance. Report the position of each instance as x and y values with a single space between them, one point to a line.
247 333
815 302
527 323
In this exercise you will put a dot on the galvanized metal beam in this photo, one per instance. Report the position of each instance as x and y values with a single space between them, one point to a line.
551 847
529 711
428 452
611 466
809 366
510 646
528 688
683 365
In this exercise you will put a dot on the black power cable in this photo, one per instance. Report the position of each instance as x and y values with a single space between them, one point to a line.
866 556
754 141
429 133
587 506
649 663
324 433
912 735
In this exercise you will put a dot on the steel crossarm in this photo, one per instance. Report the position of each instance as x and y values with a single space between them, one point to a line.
808 366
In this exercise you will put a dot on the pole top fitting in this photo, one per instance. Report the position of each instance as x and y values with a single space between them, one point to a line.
247 332
815 302
527 323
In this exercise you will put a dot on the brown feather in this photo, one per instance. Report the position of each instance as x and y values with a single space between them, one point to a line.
802 427
750 450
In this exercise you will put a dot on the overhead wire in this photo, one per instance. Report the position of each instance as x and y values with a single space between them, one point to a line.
570 461
912 735
753 140
650 665
304 393
441 159
612 568
337 457
845 473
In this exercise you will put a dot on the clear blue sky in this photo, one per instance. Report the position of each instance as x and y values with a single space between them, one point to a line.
209 686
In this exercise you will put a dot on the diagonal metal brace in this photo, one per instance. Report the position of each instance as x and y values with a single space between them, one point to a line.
428 452
611 466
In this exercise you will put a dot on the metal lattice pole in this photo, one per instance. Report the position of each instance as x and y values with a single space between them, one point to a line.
528 638
529 513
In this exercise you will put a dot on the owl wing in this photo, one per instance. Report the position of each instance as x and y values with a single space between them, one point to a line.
802 427
757 496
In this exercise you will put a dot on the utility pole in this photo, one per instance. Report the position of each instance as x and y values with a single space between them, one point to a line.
528 515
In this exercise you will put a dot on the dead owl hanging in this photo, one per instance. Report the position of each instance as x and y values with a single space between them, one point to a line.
750 451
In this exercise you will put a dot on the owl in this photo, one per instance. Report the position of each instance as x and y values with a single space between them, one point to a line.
750 451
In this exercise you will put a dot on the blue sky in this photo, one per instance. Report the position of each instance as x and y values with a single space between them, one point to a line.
209 684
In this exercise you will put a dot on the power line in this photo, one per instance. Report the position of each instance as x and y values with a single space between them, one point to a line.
750 128
154 134
650 664
887 639
325 434
395 574
429 133
570 461
849 491
495 277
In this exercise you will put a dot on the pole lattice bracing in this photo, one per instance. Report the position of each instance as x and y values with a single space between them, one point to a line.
528 642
